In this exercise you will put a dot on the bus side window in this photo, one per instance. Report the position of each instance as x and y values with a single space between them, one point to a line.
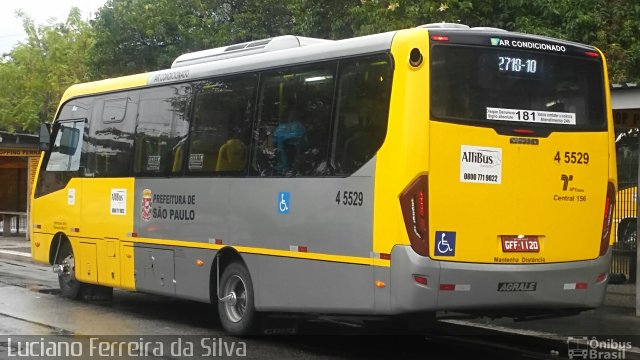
161 125
221 130
364 90
293 121
111 134
50 179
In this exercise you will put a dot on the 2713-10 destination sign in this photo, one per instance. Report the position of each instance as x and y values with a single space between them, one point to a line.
517 65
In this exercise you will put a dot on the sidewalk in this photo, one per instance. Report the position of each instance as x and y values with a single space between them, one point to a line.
615 319
15 247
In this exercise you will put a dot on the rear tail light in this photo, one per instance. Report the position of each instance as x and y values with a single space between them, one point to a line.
414 202
609 204
439 38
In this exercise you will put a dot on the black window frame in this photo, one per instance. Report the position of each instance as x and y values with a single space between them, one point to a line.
542 129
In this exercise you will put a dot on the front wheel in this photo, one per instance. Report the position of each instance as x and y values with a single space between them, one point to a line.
236 308
69 286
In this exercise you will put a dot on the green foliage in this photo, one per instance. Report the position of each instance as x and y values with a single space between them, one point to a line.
39 70
132 36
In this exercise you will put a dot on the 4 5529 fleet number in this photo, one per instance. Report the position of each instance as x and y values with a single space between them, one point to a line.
572 157
351 198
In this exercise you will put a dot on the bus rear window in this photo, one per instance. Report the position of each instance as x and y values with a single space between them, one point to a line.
519 88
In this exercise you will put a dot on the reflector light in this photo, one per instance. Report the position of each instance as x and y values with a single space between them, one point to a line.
447 287
380 284
602 277
218 241
384 256
569 286
199 262
439 38
524 131
420 279
592 54
581 286
298 248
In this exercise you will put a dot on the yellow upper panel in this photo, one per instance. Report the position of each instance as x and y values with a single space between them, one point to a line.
103 86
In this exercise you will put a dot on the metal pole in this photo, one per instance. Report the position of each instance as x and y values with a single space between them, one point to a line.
637 247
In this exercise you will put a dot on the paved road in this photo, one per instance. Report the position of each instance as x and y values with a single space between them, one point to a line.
31 305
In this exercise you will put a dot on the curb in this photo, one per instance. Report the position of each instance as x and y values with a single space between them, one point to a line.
15 255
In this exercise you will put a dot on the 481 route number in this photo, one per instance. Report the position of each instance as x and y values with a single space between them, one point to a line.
351 198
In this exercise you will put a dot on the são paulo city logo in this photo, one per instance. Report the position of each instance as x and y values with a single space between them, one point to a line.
146 205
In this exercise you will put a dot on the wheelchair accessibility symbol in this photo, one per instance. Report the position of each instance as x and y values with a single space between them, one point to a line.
284 202
445 243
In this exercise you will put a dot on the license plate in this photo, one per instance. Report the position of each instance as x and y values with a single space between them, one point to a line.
520 244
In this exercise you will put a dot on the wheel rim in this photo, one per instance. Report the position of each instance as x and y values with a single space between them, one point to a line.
237 304
67 275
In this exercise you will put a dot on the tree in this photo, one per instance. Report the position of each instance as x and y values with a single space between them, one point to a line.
37 72
135 36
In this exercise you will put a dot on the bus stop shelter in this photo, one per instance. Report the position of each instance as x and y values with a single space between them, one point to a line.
19 156
625 100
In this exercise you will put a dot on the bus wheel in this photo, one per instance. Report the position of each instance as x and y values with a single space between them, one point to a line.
69 286
235 308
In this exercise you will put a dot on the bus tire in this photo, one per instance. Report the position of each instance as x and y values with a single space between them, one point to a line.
236 309
69 286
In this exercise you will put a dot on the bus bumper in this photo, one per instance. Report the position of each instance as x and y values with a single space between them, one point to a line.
475 287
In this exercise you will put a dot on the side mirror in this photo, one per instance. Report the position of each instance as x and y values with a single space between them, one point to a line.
45 137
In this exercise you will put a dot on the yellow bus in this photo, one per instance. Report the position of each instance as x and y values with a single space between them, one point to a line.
394 175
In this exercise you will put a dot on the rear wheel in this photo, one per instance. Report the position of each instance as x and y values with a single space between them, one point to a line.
69 286
236 309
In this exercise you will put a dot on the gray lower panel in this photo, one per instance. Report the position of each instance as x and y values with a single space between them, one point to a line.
192 280
302 285
154 270
477 284
174 271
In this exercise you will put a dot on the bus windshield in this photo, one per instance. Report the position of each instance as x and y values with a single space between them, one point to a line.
516 87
